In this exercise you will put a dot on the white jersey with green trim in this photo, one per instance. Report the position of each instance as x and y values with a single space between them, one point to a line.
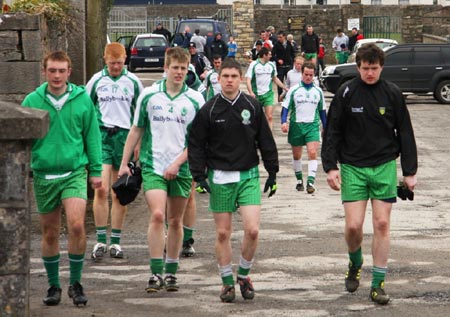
261 76
212 84
114 98
304 103
166 121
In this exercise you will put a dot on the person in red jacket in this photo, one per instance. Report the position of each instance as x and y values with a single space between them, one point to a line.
320 66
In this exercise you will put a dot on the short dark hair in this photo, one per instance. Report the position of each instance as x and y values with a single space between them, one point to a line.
281 33
369 53
217 56
263 51
57 56
308 65
231 63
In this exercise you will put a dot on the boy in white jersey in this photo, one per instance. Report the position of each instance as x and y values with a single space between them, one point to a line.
306 104
162 120
294 76
114 92
212 78
260 75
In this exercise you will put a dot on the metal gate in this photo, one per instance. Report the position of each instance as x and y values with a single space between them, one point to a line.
127 21
382 27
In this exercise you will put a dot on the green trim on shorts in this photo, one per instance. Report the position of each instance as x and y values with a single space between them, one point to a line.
49 193
267 99
310 56
301 133
112 147
228 197
178 187
361 183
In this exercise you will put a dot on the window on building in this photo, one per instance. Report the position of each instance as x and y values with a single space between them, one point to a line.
404 2
375 2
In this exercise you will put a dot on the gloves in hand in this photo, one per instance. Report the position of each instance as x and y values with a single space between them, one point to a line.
202 187
271 185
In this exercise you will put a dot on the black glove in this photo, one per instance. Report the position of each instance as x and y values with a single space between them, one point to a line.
202 187
271 185
404 193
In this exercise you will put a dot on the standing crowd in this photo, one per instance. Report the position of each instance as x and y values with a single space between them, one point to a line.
196 131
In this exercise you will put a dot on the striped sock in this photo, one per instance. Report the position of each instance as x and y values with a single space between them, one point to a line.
187 233
378 275
51 264
101 234
171 265
115 236
157 266
226 273
244 267
76 267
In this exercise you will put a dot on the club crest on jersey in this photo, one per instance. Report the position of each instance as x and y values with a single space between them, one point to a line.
245 114
382 110
184 111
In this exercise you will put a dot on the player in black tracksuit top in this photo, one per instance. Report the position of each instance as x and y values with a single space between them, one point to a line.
370 138
368 127
223 144
221 140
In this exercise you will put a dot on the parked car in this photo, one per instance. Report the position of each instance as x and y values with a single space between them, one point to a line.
145 51
208 28
381 43
414 68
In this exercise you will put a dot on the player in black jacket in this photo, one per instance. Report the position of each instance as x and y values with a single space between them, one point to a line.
368 126
223 146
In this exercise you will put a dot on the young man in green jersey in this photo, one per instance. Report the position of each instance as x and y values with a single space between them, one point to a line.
59 162
162 121
114 91
368 127
260 75
306 104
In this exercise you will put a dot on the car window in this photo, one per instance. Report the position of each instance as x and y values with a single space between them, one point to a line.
398 58
204 27
150 42
427 58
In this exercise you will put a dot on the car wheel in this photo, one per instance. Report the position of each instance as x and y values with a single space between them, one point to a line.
131 68
442 92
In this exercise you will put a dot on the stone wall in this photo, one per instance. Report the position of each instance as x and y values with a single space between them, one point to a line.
24 41
18 126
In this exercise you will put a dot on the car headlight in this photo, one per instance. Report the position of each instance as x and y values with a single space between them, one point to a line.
329 70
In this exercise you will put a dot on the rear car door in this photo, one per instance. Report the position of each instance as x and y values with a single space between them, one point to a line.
427 61
397 67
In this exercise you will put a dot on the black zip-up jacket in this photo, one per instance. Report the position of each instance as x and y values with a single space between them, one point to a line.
369 125
226 134
284 53
310 43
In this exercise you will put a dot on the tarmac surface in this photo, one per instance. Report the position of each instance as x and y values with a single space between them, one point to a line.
301 259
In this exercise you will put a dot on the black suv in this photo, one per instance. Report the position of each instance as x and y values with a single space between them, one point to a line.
414 68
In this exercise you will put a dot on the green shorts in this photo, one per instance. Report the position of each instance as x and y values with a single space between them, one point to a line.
112 147
49 193
180 186
301 133
266 99
309 56
361 183
227 197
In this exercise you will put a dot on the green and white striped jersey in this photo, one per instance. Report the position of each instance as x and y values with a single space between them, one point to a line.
114 98
166 121
212 84
261 76
304 103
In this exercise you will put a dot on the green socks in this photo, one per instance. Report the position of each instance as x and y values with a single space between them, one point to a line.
187 233
101 234
115 236
378 275
157 266
226 273
171 266
51 265
76 267
356 257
